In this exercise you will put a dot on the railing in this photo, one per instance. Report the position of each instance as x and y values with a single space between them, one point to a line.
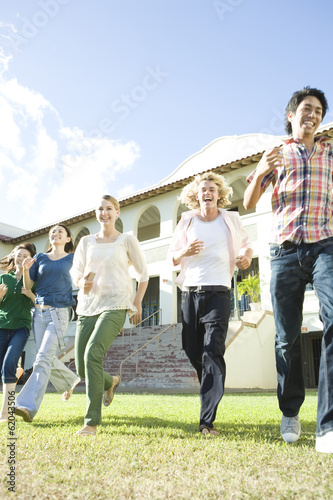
239 305
235 315
136 353
140 325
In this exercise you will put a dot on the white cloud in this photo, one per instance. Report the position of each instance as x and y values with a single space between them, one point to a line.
52 172
46 152
29 103
125 191
87 177
4 60
22 192
9 131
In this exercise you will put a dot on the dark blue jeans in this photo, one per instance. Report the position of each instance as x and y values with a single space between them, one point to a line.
205 317
12 343
292 268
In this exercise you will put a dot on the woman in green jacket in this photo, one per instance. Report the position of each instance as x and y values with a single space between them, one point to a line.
15 321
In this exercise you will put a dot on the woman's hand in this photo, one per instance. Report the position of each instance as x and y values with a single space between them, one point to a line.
85 284
137 317
24 291
3 290
28 293
137 302
27 263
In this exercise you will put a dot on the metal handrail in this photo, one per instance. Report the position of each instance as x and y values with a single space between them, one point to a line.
140 325
235 314
145 345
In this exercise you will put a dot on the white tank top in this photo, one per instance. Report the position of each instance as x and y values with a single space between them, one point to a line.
212 265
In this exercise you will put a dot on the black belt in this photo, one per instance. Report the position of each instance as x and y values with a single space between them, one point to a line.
287 244
206 288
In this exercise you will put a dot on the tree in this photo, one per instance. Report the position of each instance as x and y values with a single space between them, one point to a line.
251 286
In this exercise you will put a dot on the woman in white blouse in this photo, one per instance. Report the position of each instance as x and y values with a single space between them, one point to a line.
101 272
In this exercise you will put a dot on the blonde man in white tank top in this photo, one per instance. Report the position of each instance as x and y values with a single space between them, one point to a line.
208 243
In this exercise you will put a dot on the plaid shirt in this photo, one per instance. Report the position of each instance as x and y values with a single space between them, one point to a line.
302 192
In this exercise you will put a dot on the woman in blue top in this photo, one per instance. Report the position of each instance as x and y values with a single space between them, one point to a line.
50 272
15 321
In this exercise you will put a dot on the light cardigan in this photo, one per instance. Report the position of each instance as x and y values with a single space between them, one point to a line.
238 242
112 285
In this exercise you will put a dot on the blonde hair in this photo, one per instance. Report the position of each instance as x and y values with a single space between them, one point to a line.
112 200
189 194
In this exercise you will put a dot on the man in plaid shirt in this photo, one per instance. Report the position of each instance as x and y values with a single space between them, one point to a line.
301 172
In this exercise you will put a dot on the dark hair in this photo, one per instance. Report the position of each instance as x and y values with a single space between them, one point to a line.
8 263
296 100
69 247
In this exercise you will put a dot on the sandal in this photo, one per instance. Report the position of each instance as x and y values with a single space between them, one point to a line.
19 373
67 394
85 433
108 400
208 431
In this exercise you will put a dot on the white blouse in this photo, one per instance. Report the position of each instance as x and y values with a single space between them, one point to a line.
112 285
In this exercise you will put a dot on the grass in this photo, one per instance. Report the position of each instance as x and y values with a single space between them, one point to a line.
148 448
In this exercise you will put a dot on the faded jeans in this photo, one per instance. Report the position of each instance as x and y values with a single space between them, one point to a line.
49 331
292 268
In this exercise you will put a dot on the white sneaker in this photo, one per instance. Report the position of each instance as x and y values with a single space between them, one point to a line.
324 444
290 428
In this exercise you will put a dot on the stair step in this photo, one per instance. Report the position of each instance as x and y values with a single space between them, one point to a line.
161 364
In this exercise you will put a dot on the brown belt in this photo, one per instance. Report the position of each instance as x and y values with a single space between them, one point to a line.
42 307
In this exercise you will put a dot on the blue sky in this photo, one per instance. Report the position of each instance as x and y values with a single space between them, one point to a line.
111 96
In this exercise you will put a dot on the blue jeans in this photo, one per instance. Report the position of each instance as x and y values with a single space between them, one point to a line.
205 319
12 343
292 268
49 327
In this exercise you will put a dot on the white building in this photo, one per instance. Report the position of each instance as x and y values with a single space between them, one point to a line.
152 214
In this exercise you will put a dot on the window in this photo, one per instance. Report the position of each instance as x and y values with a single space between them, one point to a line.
243 303
151 302
149 225
84 232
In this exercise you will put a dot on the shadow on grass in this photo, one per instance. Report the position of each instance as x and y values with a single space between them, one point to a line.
268 432
159 428
133 426
232 426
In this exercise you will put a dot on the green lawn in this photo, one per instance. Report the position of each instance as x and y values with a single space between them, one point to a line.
148 448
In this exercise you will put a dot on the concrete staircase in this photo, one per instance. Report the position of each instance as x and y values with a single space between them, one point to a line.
162 364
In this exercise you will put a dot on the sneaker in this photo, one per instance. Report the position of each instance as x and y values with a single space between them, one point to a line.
324 444
290 428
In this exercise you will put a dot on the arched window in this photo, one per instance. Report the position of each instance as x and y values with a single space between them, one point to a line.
181 209
84 232
119 225
149 225
237 198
